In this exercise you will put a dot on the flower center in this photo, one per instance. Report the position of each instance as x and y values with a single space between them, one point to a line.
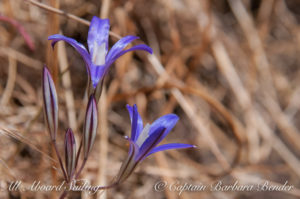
99 54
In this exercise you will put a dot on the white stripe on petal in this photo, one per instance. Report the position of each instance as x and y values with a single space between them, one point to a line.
99 54
143 136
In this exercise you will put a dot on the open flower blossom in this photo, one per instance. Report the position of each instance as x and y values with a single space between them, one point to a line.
98 59
144 140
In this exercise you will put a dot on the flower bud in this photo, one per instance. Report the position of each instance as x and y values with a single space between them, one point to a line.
90 126
70 153
50 102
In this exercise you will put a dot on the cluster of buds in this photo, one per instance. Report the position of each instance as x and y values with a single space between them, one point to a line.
143 140
70 169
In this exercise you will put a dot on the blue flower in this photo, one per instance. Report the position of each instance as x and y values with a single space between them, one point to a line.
144 140
98 59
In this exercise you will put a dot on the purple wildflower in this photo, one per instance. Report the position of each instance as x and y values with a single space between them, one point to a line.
98 59
144 140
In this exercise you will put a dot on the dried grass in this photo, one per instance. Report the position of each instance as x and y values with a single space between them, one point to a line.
229 69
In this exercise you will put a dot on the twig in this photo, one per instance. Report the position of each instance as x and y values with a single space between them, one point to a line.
162 162
12 73
21 30
67 84
10 171
22 58
227 69
67 15
255 180
103 145
255 44
198 123
19 137
51 54
58 11
105 9
59 159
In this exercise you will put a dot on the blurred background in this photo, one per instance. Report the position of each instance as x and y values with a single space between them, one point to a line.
228 68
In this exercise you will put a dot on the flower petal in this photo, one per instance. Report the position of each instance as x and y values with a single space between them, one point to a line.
78 47
118 47
167 121
136 47
117 50
98 38
136 122
150 143
170 146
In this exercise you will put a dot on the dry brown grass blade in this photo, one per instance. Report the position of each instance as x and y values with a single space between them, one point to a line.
161 158
255 44
52 64
105 9
32 121
235 125
12 73
290 158
68 15
195 119
27 88
17 136
250 179
103 123
162 162
57 11
201 124
227 72
283 151
10 171
21 57
67 84
103 143
264 16
263 66
241 94
290 132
